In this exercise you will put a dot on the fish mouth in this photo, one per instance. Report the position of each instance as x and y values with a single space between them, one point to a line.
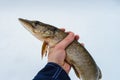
27 24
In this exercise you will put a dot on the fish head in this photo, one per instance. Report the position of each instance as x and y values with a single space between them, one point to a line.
41 30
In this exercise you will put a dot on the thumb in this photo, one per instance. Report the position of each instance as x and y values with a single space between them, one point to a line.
66 67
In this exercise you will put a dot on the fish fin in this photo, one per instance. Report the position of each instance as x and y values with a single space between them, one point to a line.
76 72
100 74
44 49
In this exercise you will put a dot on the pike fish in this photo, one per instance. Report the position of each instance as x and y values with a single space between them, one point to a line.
82 62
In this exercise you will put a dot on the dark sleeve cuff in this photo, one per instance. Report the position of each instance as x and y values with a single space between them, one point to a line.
52 71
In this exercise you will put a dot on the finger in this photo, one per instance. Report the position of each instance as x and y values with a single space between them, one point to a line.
68 32
63 29
65 42
82 44
77 37
66 67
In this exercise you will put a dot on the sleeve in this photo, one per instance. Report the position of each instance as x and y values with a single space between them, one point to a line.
52 71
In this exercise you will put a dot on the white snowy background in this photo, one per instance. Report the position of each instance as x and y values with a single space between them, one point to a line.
96 21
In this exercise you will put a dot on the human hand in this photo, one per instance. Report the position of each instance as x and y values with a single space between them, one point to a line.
57 53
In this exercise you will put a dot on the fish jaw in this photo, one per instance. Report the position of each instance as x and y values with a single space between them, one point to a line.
31 27
39 29
27 24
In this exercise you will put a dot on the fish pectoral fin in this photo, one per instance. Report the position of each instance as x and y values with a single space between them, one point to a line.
44 49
